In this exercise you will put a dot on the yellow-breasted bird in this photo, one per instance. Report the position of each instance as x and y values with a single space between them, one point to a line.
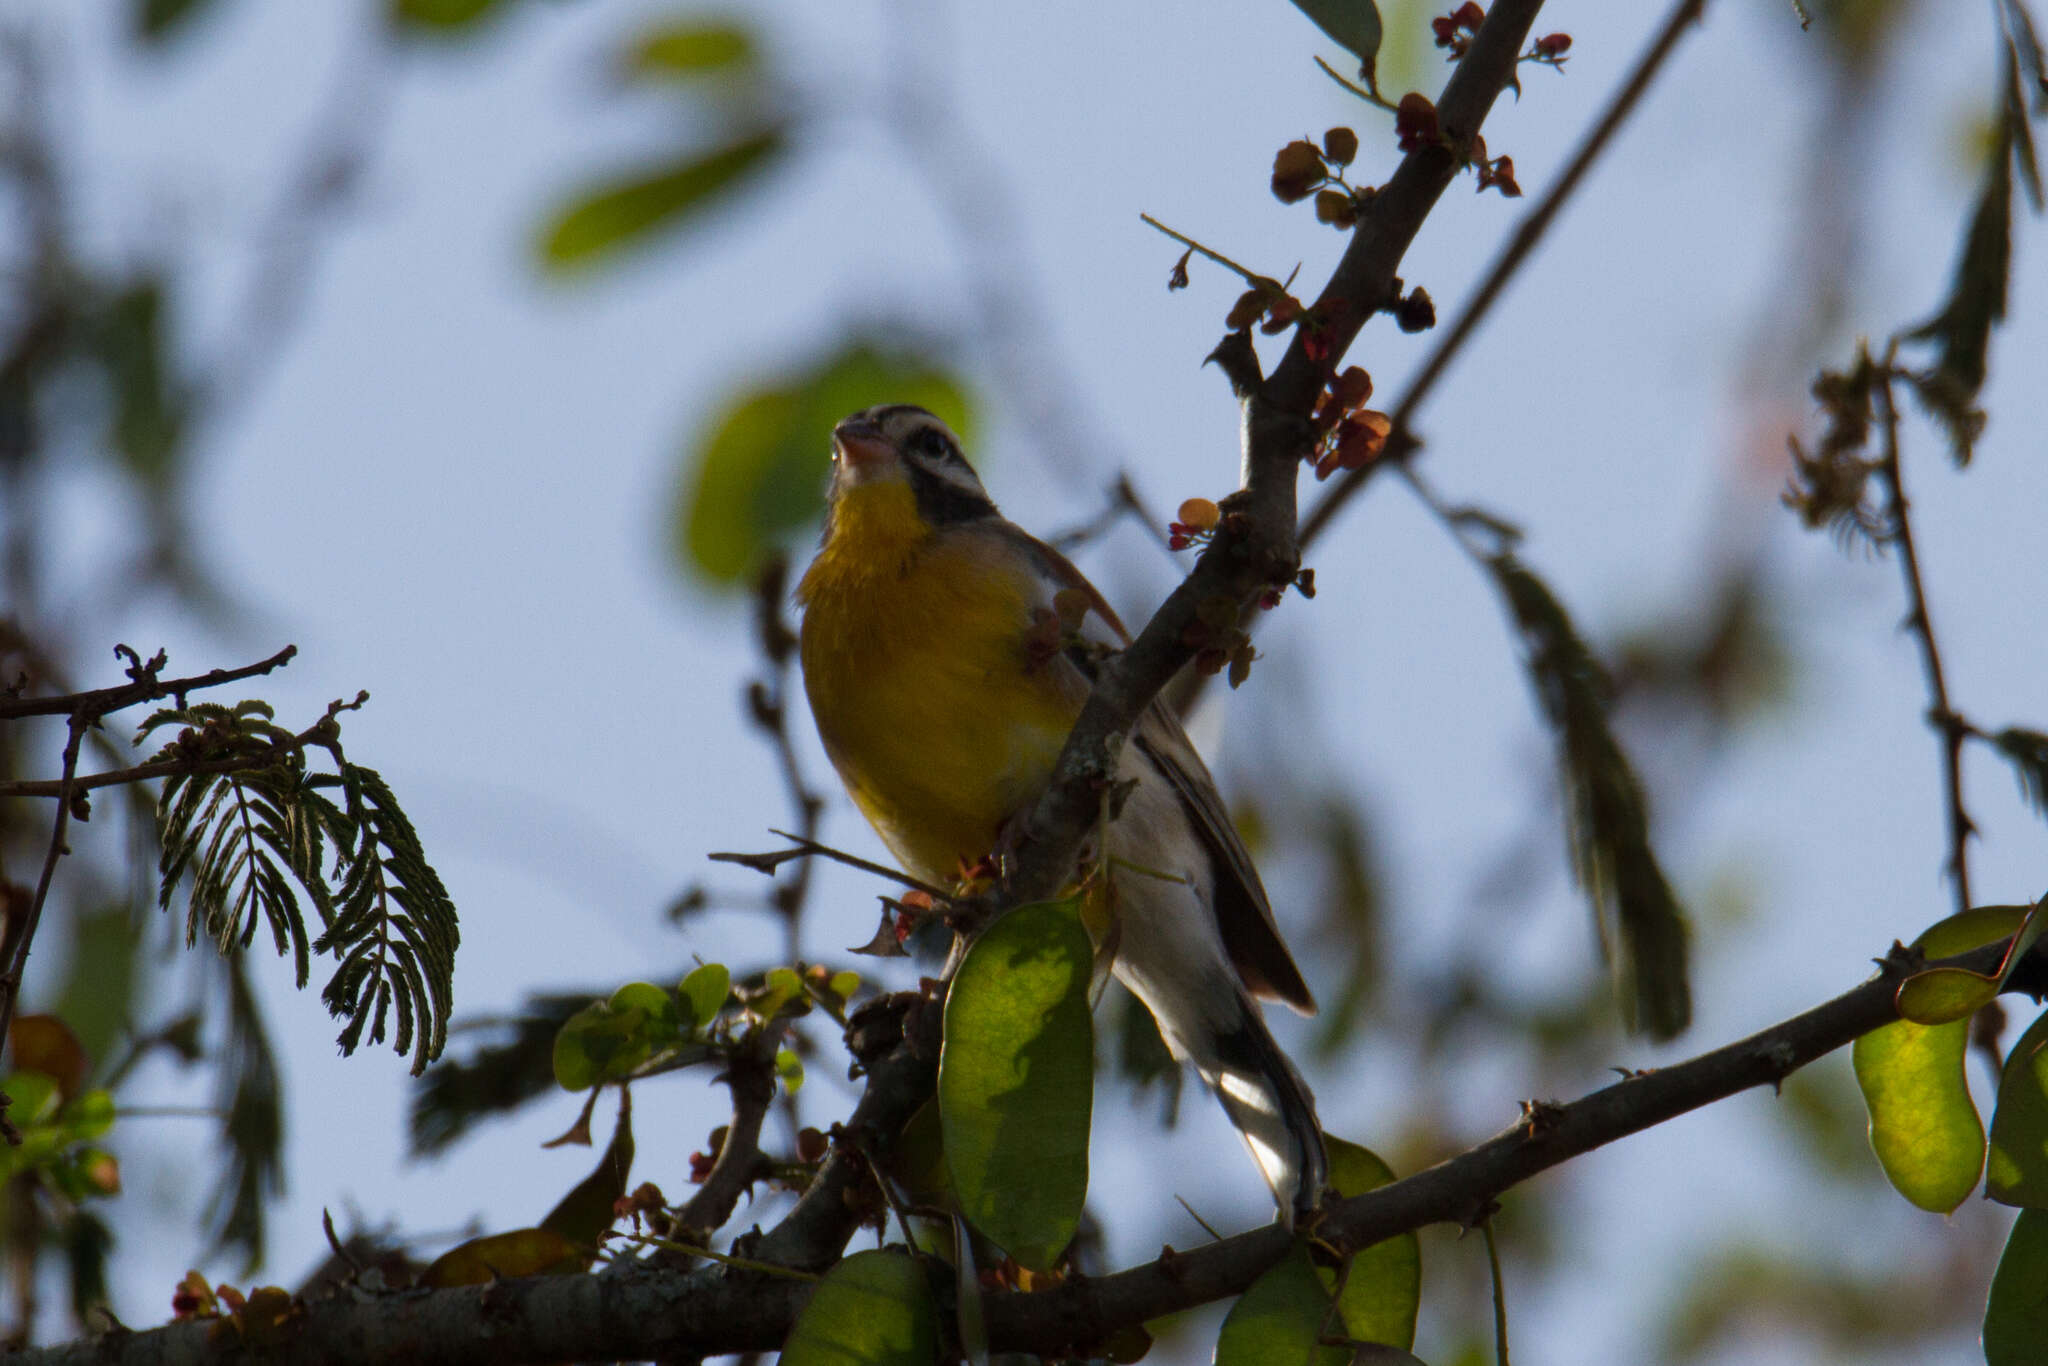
943 707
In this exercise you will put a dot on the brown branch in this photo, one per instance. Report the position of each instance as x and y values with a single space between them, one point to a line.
635 1312
144 686
163 768
1950 727
1528 233
1255 551
750 1076
22 936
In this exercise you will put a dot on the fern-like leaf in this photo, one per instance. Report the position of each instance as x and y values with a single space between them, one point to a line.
2027 752
1607 821
393 932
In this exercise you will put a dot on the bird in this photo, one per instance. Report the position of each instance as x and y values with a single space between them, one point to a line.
943 702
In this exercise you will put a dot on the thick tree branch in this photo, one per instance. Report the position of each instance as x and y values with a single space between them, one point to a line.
1255 551
636 1313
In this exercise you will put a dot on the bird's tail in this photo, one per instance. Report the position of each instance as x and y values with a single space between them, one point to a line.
1272 1108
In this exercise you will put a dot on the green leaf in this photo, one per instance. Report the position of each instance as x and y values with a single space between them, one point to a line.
759 472
1279 1320
790 1068
500 1256
1383 1288
604 220
873 1309
1923 1127
1354 24
155 20
1016 1080
440 14
1607 819
2017 1170
2016 1318
704 992
669 51
655 1007
1939 995
601 1044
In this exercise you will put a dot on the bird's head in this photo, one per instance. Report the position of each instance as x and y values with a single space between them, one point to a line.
880 451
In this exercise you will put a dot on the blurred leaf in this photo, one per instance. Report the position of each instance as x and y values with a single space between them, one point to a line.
873 1309
440 14
88 1242
1383 1288
98 995
704 991
1354 24
1923 1128
2016 1172
690 49
2016 1318
501 1256
589 1208
1606 815
1976 302
147 418
1142 1054
1016 1080
2027 751
493 1080
44 1043
156 19
760 471
790 1069
1279 1319
1351 917
604 220
602 1043
250 1091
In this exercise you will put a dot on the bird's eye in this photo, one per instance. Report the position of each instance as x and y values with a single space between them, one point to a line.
931 443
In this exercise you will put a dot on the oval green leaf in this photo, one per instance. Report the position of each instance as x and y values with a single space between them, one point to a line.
2017 1170
1970 929
614 216
2016 1318
672 51
1353 23
1016 1080
497 1256
440 14
873 1309
1281 1318
704 992
760 472
1923 1127
1940 995
1383 1287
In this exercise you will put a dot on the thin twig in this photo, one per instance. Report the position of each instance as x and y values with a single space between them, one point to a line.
144 687
774 858
1528 233
24 934
1950 727
1249 276
1500 1295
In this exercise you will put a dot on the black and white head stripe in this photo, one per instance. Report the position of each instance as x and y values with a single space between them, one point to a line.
944 483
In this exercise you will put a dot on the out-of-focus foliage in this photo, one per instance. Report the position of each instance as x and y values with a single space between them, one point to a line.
873 1309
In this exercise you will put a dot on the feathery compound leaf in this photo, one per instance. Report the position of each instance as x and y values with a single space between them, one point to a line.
1607 821
2027 752
394 930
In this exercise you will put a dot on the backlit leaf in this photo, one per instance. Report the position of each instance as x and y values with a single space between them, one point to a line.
873 1309
2017 1170
1383 1287
704 992
500 1256
1016 1080
668 51
602 221
1279 1320
1923 1127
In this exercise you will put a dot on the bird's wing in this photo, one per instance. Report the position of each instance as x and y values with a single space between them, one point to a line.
1244 917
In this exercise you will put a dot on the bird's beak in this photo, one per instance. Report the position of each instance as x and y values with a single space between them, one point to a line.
860 444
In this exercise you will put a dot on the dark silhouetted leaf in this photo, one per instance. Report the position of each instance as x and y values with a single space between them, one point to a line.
1016 1080
589 1207
1355 24
2016 1172
1976 301
156 20
2027 752
873 1309
494 1080
2016 1318
1606 816
599 223
760 471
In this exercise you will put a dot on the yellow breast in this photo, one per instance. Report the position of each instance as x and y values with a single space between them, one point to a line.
921 682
